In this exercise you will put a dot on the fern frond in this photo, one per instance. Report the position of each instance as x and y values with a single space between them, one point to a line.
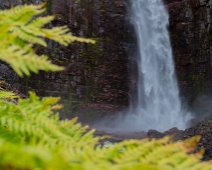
23 121
161 154
32 124
21 28
65 38
19 157
28 35
20 15
40 22
24 60
7 95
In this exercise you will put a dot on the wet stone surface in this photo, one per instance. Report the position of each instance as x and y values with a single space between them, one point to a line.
204 129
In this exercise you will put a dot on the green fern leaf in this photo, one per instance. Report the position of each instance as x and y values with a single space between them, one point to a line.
24 60
8 95
32 124
21 28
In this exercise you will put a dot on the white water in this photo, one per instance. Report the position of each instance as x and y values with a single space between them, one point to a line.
158 102
158 105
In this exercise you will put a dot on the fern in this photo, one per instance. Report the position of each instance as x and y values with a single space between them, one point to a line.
8 95
19 32
33 130
25 157
38 125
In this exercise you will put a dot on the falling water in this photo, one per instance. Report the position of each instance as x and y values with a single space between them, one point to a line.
158 103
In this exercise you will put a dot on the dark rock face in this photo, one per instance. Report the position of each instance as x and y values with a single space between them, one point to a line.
94 73
105 73
190 32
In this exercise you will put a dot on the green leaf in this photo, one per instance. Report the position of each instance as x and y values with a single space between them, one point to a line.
21 29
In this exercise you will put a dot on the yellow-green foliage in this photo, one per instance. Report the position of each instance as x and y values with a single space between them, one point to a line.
7 95
32 137
19 32
4 94
37 124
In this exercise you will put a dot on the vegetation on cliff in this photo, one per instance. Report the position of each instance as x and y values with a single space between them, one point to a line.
33 138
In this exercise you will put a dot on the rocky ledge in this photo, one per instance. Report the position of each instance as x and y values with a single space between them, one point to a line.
204 129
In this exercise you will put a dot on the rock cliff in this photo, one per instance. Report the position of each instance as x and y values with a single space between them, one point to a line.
190 32
105 73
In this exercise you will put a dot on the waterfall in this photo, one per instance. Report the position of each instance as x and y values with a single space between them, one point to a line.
158 102
158 105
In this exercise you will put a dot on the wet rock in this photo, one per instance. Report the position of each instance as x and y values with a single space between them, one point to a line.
172 131
155 134
204 129
120 136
